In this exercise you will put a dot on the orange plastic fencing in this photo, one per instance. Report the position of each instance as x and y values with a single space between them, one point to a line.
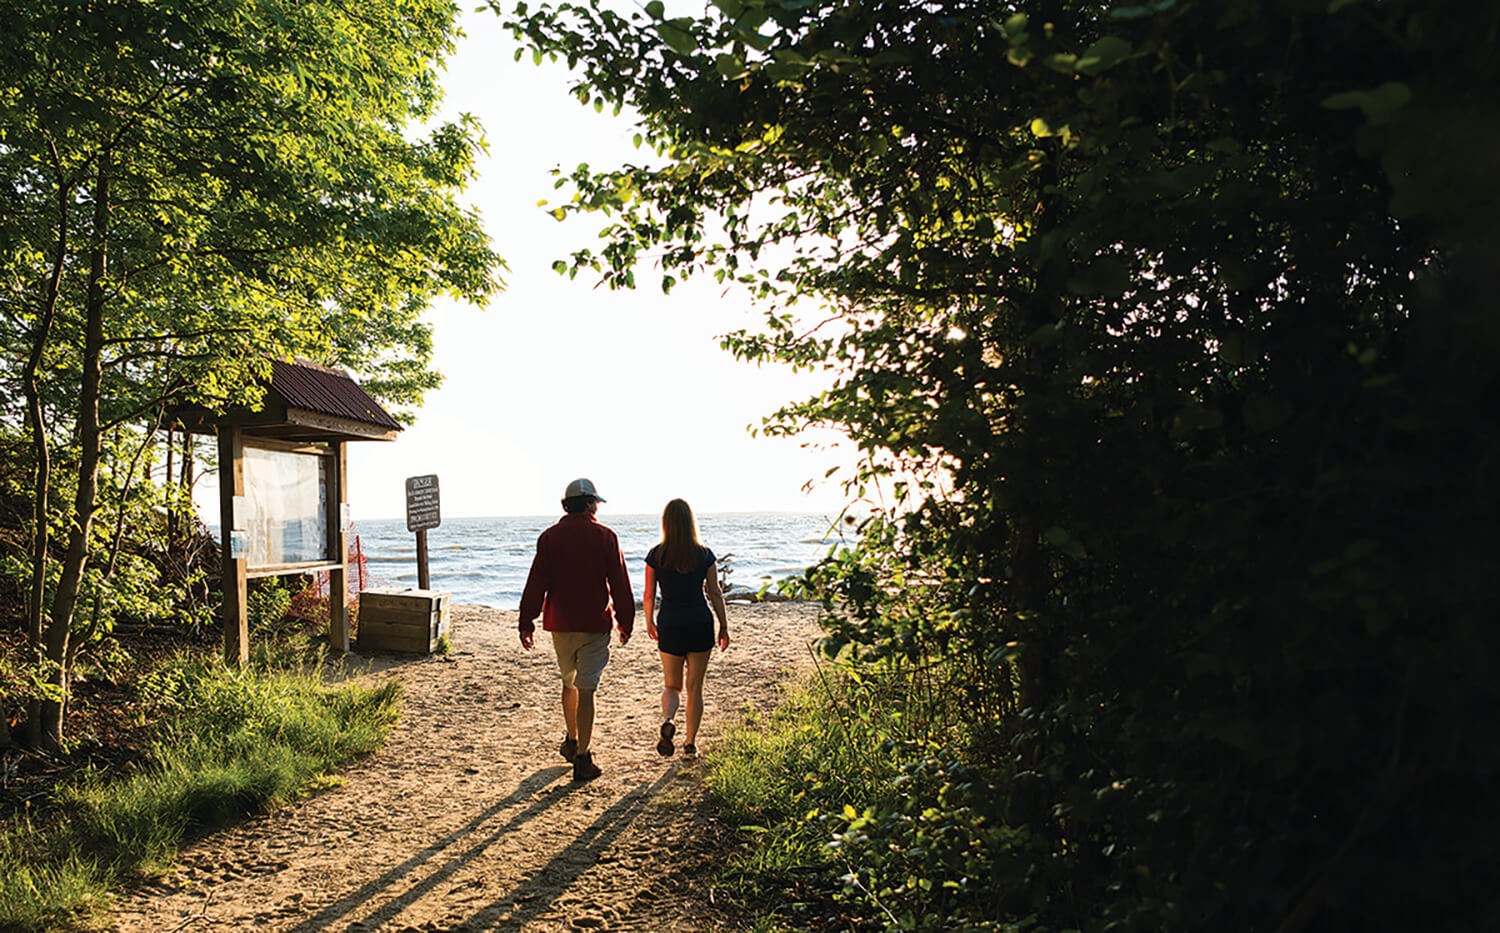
312 602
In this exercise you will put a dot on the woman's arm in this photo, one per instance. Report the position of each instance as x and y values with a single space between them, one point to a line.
716 599
649 602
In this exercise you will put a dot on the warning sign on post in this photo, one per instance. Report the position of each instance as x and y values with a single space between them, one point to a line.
422 503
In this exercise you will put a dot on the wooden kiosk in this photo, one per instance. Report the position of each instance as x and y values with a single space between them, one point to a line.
283 487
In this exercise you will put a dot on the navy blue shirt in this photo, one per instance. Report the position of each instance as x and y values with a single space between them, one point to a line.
682 598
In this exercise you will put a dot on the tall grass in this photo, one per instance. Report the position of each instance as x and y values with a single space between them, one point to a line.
791 780
230 742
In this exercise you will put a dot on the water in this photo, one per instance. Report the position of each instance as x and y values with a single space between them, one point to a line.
484 561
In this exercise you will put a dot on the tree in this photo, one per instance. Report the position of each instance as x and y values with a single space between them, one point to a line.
1179 302
193 189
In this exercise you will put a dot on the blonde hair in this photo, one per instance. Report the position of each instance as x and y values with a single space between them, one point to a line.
680 547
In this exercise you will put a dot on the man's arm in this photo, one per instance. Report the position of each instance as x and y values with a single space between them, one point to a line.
532 597
621 594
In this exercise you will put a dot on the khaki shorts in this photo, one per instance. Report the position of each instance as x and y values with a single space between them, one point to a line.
581 657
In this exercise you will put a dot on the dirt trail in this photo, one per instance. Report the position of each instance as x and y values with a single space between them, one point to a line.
468 819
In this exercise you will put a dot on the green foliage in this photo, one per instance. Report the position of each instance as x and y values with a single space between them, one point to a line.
267 603
1164 333
249 174
47 894
188 191
131 578
849 792
228 742
783 779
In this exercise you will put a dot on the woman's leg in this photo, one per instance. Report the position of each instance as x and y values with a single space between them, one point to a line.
697 667
671 690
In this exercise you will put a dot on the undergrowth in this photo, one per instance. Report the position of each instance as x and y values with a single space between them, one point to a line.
792 781
230 741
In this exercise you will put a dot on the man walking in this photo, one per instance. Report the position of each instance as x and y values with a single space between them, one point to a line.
579 585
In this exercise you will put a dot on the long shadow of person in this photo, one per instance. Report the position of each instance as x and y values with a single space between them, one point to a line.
566 866
447 846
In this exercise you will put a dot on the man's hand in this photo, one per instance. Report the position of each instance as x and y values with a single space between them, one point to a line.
528 638
624 636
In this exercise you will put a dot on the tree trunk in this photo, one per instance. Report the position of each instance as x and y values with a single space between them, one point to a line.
41 450
1029 575
90 436
170 519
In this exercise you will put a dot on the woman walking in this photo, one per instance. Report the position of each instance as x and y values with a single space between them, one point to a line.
683 630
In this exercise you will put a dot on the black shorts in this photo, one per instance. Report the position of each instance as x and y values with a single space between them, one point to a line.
682 640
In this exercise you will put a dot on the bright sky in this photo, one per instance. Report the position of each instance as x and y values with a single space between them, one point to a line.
558 379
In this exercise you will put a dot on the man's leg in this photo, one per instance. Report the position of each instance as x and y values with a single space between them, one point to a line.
583 716
593 654
566 646
570 711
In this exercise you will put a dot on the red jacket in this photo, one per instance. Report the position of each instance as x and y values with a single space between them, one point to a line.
578 580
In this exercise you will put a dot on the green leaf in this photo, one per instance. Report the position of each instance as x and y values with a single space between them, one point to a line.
1042 129
1103 54
786 71
1141 11
677 37
1378 105
730 66
1063 62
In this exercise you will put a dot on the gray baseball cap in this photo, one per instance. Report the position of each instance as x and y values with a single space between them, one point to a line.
582 487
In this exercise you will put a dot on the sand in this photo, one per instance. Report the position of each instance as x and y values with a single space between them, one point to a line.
469 820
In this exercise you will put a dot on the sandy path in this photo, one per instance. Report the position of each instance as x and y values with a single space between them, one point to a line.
468 819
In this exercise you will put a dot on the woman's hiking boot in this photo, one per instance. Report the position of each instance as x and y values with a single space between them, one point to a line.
664 746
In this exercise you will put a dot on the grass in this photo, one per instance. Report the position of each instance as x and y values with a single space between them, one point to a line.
789 780
230 742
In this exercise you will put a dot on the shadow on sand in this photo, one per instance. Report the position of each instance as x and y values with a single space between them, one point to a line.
373 889
566 866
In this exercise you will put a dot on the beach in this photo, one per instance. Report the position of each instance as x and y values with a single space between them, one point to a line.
468 819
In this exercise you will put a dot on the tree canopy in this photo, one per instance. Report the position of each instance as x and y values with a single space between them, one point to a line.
189 190
1167 327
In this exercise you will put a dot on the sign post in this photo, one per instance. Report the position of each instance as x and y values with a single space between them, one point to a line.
422 513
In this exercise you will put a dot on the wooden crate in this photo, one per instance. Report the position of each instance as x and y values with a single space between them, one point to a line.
402 620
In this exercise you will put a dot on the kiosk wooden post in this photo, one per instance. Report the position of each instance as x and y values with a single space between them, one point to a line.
232 491
338 538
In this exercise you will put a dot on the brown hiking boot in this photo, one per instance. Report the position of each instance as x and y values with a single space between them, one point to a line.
584 768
